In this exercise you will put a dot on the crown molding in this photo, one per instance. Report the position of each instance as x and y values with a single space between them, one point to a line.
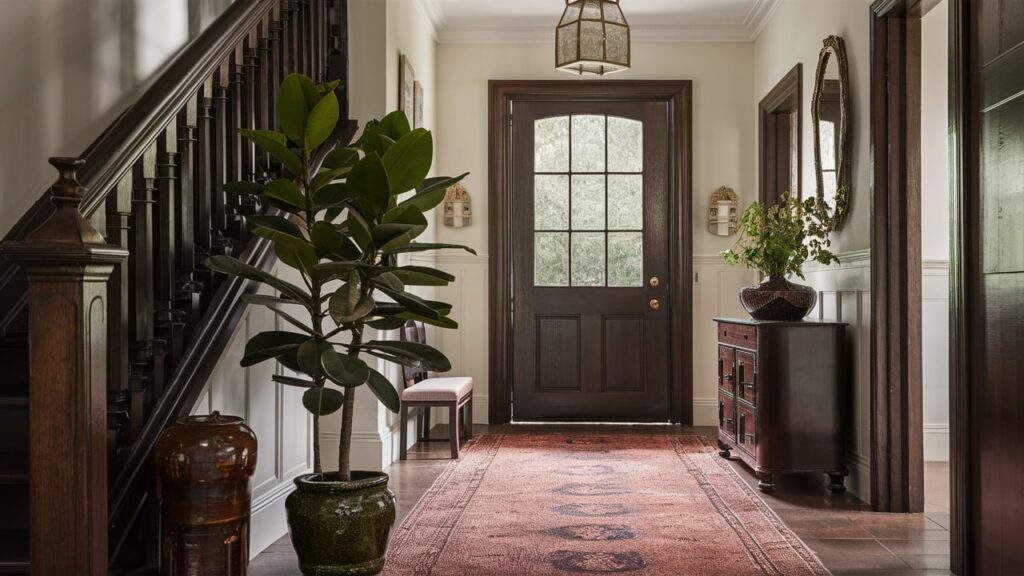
747 31
432 10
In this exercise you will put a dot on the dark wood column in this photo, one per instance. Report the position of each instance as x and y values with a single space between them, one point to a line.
67 263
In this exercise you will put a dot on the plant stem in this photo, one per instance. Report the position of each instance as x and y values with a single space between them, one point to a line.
317 467
347 411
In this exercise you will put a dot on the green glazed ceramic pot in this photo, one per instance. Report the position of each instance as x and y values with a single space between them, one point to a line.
341 528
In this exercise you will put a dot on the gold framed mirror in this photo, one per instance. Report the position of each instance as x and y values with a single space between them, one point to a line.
830 119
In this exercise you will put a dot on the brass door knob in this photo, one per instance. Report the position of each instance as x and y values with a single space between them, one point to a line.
654 281
655 304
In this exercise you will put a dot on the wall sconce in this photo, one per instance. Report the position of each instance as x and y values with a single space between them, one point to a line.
723 218
457 210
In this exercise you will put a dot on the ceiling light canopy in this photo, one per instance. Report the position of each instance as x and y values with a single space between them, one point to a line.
592 38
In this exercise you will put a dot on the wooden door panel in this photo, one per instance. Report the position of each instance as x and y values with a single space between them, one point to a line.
590 233
996 288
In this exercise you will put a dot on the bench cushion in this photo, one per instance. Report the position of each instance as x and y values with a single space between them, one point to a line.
451 389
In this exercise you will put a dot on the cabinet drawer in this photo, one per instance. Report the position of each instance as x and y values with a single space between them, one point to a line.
746 376
726 365
742 335
746 429
727 414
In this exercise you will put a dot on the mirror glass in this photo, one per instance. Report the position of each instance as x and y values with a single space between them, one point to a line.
723 208
830 112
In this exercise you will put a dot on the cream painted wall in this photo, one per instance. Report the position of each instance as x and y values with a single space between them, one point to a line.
935 230
70 67
723 154
794 34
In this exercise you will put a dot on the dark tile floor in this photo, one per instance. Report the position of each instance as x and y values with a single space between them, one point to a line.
842 530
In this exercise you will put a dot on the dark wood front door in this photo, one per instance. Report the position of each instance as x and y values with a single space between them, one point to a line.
995 284
590 255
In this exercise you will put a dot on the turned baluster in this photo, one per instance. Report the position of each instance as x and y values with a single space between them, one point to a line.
317 40
279 33
264 81
146 368
203 187
337 64
169 324
188 289
118 208
221 165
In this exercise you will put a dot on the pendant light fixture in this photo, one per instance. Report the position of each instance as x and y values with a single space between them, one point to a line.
592 38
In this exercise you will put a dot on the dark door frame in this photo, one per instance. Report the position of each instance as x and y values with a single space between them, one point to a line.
895 259
502 93
897 434
785 96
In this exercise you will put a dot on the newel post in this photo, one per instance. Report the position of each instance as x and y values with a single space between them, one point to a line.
67 263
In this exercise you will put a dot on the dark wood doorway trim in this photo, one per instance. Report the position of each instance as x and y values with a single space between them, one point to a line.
786 97
897 434
678 94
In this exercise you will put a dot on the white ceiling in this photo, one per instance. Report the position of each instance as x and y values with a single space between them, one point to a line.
472 21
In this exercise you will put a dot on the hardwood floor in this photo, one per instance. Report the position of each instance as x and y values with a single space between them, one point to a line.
842 530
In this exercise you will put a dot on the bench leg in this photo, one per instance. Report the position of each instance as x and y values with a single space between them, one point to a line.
453 428
468 426
403 436
426 423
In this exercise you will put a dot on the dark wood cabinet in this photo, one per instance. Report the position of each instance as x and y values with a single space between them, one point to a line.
782 397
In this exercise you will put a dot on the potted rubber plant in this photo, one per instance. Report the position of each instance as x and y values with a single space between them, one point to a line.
777 241
339 215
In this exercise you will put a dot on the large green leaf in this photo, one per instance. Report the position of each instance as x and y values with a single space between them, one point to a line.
329 240
326 271
274 144
278 223
411 302
321 121
321 401
422 276
408 160
235 267
308 357
384 391
325 177
286 191
425 246
368 179
424 354
344 370
395 125
341 158
440 322
295 252
348 303
293 107
359 230
270 344
331 195
293 381
431 193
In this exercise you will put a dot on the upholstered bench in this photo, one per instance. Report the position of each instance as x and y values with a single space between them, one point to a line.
425 391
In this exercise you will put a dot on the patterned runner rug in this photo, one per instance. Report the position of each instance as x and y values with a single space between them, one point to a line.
592 504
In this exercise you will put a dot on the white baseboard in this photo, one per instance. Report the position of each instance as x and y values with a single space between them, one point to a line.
705 411
269 521
858 482
936 442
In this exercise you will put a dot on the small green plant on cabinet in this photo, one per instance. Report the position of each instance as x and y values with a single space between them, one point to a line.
778 240
339 218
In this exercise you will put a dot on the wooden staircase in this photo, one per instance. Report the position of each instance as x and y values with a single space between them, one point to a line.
154 182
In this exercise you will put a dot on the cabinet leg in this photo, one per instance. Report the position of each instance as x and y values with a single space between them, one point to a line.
765 481
836 482
723 449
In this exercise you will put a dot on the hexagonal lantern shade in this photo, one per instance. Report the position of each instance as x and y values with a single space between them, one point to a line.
592 38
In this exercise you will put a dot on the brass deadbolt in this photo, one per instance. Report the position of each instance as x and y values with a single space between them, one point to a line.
655 304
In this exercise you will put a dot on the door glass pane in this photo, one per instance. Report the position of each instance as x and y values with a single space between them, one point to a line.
625 145
551 144
588 259
551 202
588 202
551 259
625 258
588 143
625 202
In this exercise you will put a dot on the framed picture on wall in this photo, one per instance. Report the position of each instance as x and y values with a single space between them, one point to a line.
406 96
417 120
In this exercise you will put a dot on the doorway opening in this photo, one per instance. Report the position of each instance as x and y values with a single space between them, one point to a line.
589 244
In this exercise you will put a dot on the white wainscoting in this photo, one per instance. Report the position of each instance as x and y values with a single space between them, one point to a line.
935 358
844 294
275 413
